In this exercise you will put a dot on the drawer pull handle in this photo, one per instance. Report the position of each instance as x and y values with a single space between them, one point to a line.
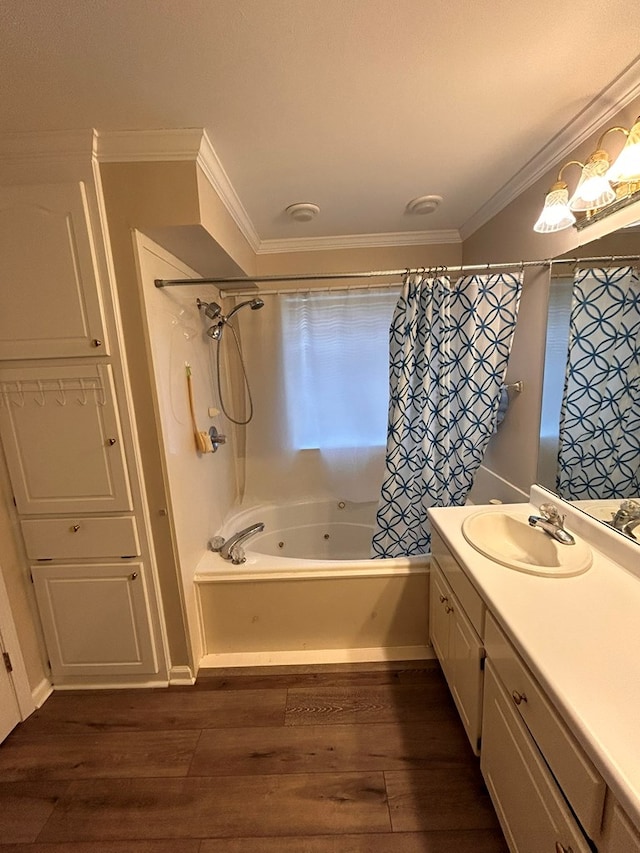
133 576
448 609
443 598
518 698
75 528
112 441
560 848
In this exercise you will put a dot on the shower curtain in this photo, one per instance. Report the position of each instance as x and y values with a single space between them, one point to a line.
449 347
599 454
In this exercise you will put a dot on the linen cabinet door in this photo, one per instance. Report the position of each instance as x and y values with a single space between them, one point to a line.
50 302
61 435
95 618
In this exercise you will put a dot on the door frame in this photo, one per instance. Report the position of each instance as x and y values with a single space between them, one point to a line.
18 675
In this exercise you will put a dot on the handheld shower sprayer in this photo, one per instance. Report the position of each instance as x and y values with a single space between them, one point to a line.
254 304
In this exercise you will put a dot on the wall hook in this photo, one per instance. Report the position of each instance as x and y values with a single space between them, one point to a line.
82 400
62 399
19 391
40 400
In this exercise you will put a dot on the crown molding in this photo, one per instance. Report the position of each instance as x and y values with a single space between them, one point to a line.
210 164
136 146
607 104
53 145
359 241
133 146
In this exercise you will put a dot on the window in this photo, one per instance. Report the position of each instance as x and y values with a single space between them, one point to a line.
336 366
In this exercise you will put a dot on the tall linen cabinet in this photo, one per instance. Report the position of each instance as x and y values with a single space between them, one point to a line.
66 421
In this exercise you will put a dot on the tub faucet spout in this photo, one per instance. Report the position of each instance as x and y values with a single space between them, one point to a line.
229 549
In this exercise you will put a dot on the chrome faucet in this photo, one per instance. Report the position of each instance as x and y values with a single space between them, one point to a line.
231 548
627 518
552 523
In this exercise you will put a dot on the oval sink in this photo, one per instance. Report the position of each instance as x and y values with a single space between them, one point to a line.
508 539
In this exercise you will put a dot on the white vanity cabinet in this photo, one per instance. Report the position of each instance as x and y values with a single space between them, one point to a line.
455 636
546 791
50 303
619 834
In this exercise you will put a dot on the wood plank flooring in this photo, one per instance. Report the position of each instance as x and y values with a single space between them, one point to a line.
353 759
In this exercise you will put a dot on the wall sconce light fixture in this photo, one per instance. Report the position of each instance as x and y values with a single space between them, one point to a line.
601 189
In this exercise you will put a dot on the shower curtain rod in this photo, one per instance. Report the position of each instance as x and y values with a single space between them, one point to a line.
247 281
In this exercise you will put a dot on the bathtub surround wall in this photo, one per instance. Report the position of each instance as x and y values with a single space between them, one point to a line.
202 487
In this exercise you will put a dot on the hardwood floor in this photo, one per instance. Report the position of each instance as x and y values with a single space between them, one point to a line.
349 759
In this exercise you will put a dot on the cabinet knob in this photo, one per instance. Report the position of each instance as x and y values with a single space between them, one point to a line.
518 698
75 528
443 598
96 342
448 609
560 848
112 441
133 576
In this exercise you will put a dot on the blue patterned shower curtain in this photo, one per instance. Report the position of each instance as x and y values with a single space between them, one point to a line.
599 454
449 346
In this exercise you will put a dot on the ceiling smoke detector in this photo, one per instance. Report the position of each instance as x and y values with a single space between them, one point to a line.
303 211
423 204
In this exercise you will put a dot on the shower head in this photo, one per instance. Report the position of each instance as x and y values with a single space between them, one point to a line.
211 309
254 304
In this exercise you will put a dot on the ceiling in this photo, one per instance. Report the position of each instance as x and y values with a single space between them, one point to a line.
356 105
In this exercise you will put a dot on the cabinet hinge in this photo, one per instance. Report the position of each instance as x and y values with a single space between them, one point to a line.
7 661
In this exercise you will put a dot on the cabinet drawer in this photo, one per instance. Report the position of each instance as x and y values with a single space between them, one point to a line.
621 836
582 784
84 538
465 591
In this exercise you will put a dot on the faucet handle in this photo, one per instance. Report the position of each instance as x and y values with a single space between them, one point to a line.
551 513
216 543
237 555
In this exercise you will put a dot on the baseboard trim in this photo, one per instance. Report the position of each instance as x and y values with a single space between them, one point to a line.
41 692
310 657
181 675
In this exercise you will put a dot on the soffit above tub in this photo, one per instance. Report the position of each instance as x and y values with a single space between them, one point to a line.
357 106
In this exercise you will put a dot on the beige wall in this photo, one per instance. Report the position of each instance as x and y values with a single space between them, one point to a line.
358 260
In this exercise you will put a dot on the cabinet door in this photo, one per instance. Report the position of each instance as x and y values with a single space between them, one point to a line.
532 811
466 654
439 622
61 434
49 291
95 619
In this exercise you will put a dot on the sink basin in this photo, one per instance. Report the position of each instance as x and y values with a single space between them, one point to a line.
508 539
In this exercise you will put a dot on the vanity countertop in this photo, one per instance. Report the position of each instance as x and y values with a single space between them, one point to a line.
580 636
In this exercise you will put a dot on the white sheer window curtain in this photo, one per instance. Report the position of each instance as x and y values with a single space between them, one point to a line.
318 362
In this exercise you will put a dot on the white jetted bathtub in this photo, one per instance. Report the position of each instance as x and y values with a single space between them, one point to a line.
309 593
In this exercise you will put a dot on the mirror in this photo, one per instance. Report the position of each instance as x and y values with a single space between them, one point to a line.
586 485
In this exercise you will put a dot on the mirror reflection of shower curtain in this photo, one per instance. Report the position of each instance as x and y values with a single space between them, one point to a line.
599 455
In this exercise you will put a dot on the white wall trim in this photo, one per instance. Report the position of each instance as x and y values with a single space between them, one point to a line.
210 164
317 656
45 146
140 146
181 675
359 241
11 642
607 104
41 693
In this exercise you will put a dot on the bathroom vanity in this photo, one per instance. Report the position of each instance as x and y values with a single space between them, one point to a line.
545 672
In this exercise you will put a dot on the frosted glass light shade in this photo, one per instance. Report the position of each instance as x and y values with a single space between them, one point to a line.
593 190
627 167
555 214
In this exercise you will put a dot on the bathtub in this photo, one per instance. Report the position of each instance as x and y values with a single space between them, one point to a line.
309 593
